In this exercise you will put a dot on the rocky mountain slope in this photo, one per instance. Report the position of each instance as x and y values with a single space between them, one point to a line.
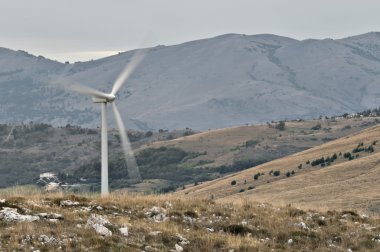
34 221
212 83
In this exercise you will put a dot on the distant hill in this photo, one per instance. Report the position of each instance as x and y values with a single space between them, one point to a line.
167 160
219 82
343 173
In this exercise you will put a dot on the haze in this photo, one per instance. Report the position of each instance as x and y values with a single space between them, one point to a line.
89 29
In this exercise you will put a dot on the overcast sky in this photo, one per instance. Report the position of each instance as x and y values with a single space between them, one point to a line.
77 30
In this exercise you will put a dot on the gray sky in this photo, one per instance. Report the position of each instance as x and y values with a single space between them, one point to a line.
88 29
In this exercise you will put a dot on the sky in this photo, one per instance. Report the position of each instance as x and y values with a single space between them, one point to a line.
80 30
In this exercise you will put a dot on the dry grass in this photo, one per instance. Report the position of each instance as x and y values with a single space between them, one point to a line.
240 225
222 146
344 184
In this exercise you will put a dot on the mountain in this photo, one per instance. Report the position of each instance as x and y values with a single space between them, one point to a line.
211 83
340 174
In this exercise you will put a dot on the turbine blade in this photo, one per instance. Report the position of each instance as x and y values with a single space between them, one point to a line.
133 169
9 135
87 90
128 70
80 88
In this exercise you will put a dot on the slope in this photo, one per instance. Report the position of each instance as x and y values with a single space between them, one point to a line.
337 183
219 82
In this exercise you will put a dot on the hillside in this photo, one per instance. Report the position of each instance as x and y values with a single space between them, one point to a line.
34 221
219 82
348 180
167 160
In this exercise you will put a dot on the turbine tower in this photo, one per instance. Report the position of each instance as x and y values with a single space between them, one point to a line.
104 99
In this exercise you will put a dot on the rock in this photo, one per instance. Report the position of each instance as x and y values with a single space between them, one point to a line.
97 219
97 222
155 233
124 231
86 209
158 214
290 241
50 216
79 226
182 240
11 214
2 200
168 204
210 230
150 249
99 208
303 226
102 230
363 216
178 248
44 239
68 203
376 239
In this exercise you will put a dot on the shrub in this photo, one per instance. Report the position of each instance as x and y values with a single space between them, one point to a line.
233 182
276 173
252 142
191 214
251 187
256 176
347 155
241 190
300 166
293 172
317 127
370 149
237 229
280 125
288 174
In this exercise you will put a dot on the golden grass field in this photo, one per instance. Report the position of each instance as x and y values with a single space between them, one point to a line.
344 184
189 225
222 146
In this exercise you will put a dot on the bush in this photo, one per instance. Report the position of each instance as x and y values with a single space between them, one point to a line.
280 125
251 187
233 182
241 190
256 176
347 155
288 174
300 166
317 127
237 229
276 173
252 142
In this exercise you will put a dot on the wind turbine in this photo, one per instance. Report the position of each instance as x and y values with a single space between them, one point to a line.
104 99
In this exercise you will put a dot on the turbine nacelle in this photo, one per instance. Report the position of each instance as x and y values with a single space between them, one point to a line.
105 99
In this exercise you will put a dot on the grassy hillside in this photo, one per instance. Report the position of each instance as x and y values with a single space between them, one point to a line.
167 160
346 177
31 220
30 149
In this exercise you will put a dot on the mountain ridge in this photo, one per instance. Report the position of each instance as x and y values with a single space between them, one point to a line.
228 80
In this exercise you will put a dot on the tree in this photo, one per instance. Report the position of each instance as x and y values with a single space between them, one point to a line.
280 125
